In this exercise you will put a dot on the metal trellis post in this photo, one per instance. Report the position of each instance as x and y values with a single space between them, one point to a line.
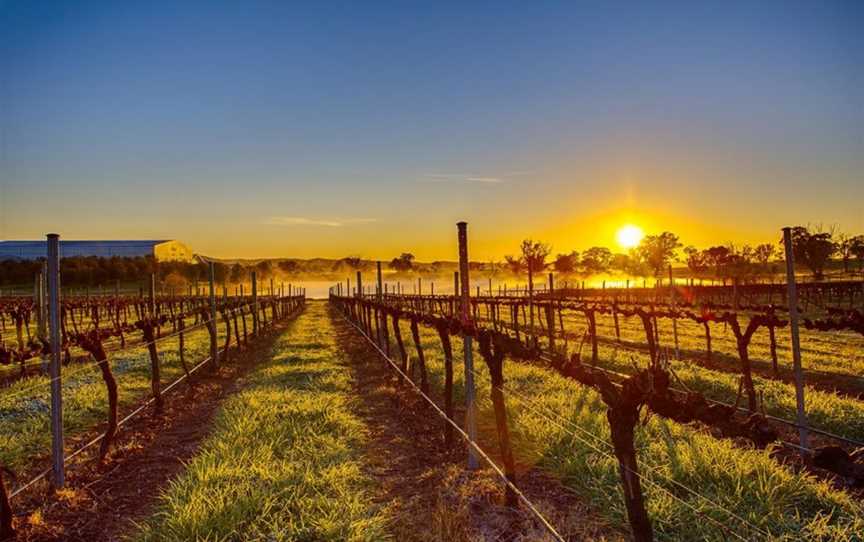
56 384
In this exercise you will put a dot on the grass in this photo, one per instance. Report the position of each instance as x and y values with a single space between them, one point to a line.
25 414
839 353
560 425
825 410
838 414
283 461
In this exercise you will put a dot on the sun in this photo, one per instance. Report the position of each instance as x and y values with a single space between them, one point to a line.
628 236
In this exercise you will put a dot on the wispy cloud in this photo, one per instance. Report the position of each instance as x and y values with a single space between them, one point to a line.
459 177
326 222
471 177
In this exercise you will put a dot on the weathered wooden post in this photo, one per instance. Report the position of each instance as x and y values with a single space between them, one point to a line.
796 341
56 384
38 304
674 319
151 295
550 314
214 348
382 322
254 304
456 302
530 298
470 406
41 316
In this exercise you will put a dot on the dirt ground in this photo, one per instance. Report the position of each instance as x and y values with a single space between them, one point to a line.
426 484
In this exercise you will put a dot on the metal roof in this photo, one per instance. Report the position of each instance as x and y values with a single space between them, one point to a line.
31 250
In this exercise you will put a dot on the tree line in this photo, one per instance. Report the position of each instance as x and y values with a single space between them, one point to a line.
96 271
812 248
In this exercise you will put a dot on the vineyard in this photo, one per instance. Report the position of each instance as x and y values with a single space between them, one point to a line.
672 412
702 417
121 357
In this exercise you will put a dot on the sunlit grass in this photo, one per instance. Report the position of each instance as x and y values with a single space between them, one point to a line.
283 461
825 410
561 426
25 414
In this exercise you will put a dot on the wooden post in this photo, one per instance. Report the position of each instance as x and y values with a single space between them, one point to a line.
796 341
214 348
56 385
151 295
254 304
530 299
41 316
470 407
550 314
455 307
674 319
382 318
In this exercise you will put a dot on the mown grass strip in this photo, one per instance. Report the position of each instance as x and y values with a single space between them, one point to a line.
283 462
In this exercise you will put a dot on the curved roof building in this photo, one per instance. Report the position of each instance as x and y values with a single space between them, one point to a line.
163 250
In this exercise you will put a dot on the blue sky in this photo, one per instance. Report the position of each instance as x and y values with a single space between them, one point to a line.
274 128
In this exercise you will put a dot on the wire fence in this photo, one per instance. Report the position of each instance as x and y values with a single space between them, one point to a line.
297 302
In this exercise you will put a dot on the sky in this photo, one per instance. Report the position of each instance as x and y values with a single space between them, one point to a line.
277 129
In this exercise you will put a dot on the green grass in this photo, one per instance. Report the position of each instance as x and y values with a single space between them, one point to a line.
829 411
25 430
283 461
840 353
561 426
825 410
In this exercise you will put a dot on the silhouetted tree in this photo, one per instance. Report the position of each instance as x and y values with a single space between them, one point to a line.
658 250
812 249
288 267
697 260
857 250
845 246
238 273
596 260
405 262
534 254
264 269
566 263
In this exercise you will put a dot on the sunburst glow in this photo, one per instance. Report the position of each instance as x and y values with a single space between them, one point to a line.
628 236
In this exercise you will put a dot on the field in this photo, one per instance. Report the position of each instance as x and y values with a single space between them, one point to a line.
295 450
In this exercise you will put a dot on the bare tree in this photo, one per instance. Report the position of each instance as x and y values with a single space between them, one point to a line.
845 246
534 254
